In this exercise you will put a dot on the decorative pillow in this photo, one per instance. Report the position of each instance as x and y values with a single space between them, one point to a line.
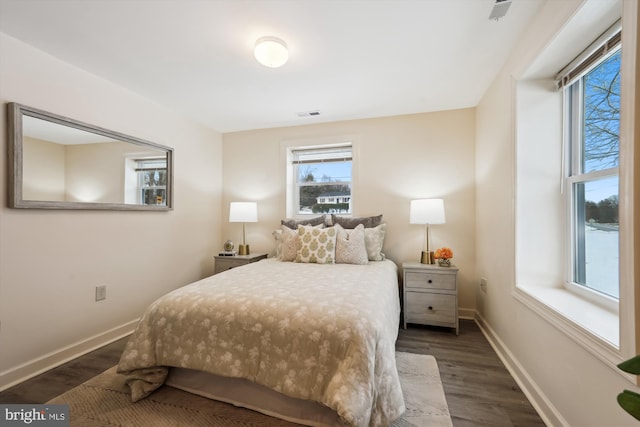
287 242
350 246
294 223
289 247
316 245
373 240
352 222
277 235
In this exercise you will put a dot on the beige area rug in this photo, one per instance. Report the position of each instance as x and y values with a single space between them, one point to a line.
104 401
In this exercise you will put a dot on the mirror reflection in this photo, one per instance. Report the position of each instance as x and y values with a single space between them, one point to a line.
62 163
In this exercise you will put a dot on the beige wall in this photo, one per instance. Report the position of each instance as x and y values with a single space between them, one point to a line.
95 172
396 159
51 261
570 385
43 166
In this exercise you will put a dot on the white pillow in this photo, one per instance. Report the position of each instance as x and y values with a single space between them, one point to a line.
316 245
373 240
350 246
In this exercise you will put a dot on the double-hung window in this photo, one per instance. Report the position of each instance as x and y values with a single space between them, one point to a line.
321 179
152 181
592 129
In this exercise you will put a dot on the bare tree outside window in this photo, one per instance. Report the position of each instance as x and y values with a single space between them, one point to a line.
602 116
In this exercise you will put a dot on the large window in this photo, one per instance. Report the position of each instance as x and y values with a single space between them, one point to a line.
593 128
322 179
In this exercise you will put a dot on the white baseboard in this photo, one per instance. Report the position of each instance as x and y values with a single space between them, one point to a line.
467 313
34 367
538 399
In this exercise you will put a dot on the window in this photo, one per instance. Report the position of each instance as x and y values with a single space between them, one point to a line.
321 179
152 181
593 127
573 266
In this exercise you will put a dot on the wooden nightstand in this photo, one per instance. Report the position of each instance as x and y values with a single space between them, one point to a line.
224 263
430 295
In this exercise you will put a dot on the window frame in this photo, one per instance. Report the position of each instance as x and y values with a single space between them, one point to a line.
293 192
536 111
139 168
573 112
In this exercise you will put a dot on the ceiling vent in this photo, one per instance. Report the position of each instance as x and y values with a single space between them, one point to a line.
311 113
499 9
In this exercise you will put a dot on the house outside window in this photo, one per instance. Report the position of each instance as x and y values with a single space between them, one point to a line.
152 181
322 178
592 106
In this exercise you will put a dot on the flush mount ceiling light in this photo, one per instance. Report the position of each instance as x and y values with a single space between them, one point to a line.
499 9
271 52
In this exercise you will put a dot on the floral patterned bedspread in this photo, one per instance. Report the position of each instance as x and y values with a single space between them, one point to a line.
319 332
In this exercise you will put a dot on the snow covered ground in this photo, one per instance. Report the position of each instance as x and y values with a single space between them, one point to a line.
602 259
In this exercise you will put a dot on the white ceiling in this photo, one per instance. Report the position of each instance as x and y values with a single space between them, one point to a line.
349 59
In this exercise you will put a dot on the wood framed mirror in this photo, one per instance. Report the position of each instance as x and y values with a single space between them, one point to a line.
59 163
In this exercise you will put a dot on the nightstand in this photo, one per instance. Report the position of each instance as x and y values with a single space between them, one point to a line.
224 263
430 295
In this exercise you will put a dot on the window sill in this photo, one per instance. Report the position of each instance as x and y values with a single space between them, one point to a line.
593 327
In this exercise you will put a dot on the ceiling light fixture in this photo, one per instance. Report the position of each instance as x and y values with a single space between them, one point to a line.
499 9
271 52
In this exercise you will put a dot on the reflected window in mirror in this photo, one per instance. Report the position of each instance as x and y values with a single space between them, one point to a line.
152 181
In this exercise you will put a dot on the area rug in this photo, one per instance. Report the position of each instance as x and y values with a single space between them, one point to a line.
104 401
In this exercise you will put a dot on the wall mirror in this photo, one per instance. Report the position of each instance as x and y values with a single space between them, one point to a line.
60 163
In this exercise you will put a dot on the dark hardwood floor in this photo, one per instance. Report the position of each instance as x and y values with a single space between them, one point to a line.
479 389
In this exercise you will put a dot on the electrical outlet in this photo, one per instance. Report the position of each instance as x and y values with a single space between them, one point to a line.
101 292
483 284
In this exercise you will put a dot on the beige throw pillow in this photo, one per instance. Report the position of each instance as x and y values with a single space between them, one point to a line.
289 244
350 246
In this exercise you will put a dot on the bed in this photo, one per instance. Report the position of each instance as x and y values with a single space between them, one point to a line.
306 332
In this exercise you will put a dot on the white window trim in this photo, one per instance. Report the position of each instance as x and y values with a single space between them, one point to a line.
572 144
547 300
288 146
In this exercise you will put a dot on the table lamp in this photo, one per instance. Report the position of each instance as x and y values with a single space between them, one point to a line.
243 212
427 211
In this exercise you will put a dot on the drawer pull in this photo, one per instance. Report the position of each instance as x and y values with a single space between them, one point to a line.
429 281
430 308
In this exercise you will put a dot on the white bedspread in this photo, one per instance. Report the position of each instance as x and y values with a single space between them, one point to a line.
318 332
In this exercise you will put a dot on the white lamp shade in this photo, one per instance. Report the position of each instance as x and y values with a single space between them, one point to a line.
271 52
427 211
243 212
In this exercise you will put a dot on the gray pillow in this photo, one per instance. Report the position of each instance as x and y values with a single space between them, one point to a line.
352 222
294 223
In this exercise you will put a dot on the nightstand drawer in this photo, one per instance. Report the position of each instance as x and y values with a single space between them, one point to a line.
224 265
432 309
427 280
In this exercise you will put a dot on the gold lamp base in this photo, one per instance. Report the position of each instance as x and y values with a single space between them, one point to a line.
243 250
427 258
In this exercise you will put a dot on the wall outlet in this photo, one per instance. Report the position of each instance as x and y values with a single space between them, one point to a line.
101 292
483 284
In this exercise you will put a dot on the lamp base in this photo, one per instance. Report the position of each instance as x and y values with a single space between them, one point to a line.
243 250
427 257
